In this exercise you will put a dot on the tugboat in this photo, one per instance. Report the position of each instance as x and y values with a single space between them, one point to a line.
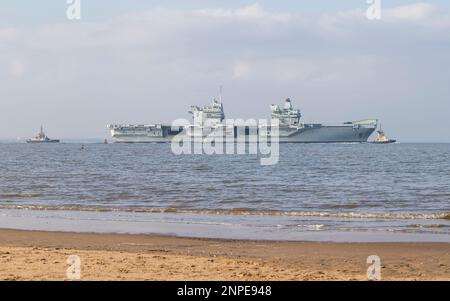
382 138
42 138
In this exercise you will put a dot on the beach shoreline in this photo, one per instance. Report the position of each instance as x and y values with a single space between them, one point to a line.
224 226
41 255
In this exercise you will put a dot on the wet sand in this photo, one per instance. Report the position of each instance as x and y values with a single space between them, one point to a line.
37 255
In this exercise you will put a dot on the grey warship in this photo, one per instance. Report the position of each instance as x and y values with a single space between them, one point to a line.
42 138
211 118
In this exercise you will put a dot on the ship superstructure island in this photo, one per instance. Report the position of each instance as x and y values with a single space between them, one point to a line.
212 118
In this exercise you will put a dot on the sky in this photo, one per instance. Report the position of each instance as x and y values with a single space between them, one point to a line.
144 62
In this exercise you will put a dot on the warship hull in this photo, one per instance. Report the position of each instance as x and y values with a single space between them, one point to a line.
48 141
329 134
309 133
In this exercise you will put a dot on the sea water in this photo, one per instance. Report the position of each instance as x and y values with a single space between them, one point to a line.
332 192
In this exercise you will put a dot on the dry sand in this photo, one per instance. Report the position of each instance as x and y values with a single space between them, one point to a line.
36 255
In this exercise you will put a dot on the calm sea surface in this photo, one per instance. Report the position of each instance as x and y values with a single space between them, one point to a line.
314 189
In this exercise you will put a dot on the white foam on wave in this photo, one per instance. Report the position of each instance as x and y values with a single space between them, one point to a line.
241 211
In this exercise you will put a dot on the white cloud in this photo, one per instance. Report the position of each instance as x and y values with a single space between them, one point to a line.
242 69
251 12
8 33
17 69
412 12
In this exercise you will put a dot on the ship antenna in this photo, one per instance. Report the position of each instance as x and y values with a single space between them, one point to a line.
220 93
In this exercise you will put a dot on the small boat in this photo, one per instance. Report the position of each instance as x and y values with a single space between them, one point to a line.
382 138
42 138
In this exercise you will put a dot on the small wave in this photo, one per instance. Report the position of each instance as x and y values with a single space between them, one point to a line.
201 167
18 195
429 226
312 227
344 206
238 211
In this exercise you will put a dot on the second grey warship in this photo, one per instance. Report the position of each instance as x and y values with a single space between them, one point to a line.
211 118
42 138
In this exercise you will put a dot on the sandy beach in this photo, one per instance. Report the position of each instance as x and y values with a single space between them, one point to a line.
36 255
